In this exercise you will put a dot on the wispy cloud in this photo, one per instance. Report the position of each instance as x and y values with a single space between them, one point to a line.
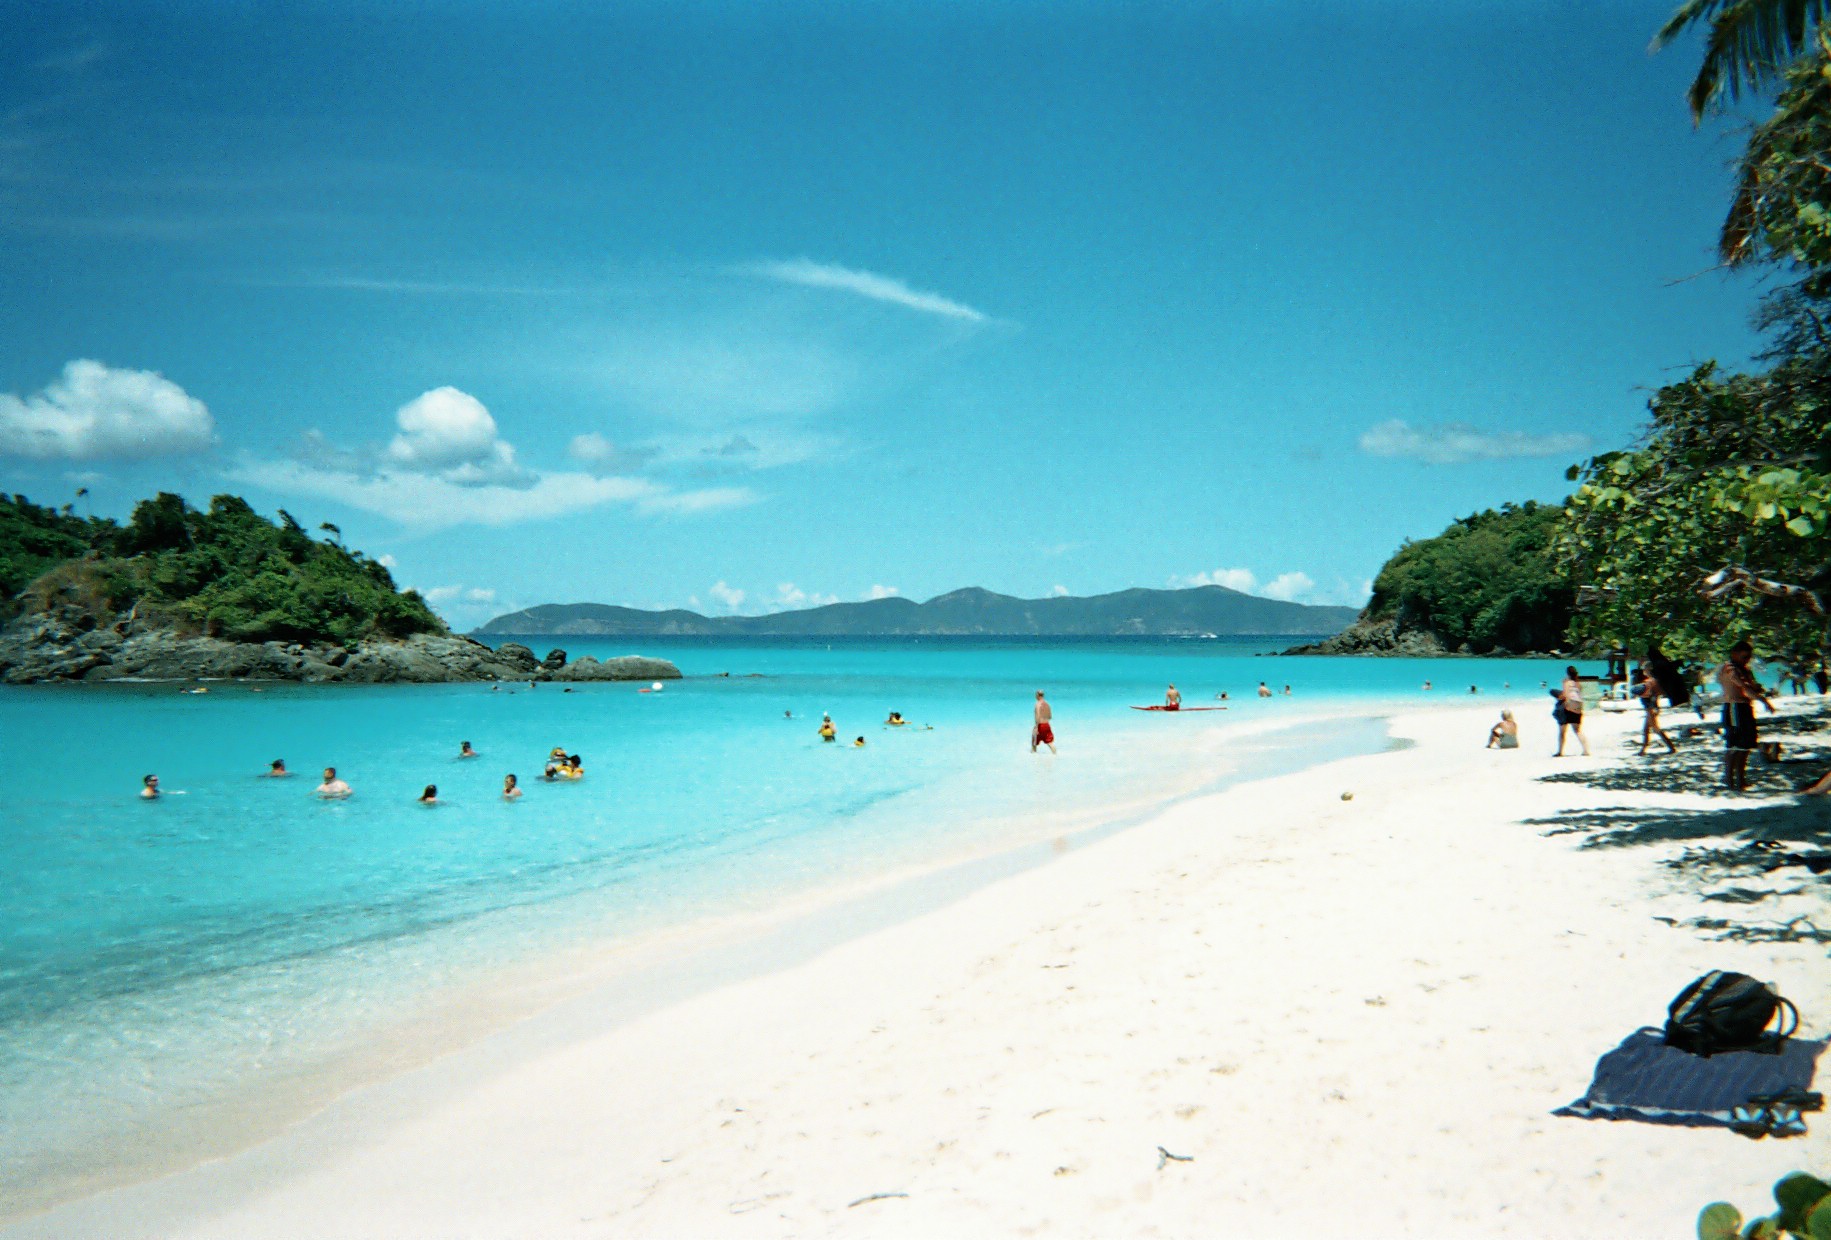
1454 443
1240 579
810 274
1289 587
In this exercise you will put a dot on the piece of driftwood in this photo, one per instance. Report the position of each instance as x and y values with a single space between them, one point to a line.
1164 1156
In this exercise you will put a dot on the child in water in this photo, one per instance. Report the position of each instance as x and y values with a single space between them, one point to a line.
511 788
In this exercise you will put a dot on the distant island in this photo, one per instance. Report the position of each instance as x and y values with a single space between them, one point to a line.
224 593
1199 612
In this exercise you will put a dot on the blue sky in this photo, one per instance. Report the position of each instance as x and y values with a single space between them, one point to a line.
746 305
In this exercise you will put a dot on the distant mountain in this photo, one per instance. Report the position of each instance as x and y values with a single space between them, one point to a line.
969 613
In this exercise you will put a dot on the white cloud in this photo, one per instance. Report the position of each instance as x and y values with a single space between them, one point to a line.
448 465
790 596
448 433
1240 579
426 502
479 594
1453 443
726 596
387 562
600 455
810 274
877 592
94 410
441 594
1058 591
1287 586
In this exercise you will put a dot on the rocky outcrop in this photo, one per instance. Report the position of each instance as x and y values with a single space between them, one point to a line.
1380 637
1393 637
67 644
627 667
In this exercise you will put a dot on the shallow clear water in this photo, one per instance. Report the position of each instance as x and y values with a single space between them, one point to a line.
159 959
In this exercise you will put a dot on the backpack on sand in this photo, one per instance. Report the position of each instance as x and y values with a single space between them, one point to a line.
1724 1011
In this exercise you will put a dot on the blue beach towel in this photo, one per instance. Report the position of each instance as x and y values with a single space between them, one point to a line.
1757 1094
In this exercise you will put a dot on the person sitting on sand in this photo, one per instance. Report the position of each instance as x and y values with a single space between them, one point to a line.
465 751
277 769
511 787
149 787
828 733
332 788
430 796
1172 700
1265 690
1505 734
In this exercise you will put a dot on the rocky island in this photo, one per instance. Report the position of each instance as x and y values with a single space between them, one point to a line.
179 594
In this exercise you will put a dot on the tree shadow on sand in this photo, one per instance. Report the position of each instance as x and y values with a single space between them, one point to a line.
1746 851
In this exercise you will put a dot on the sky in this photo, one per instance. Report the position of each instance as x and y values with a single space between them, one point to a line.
739 306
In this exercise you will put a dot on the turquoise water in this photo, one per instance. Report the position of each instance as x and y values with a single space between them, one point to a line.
238 946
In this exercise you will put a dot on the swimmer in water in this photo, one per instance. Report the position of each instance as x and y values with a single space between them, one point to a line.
332 789
149 787
1287 691
465 751
430 796
277 769
859 743
828 732
1264 689
896 719
511 788
1221 696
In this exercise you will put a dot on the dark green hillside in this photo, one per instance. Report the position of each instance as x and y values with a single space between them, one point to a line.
227 572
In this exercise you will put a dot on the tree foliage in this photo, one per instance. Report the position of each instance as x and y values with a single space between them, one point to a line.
1734 474
227 571
1487 582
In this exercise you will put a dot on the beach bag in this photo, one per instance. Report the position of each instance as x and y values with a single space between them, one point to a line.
1724 1011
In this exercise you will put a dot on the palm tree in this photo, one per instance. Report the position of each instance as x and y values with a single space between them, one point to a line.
1750 41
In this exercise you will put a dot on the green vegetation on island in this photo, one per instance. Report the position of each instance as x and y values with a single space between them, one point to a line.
226 572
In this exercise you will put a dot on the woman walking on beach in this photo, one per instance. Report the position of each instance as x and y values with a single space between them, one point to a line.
1649 700
1570 711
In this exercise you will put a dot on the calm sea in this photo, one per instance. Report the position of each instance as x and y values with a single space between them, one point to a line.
177 972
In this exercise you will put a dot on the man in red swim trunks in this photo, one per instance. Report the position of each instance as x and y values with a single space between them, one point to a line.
1042 733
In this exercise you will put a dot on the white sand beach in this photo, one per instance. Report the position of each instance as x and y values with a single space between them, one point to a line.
1344 1017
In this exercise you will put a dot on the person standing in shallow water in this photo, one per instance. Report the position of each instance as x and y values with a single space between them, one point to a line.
1740 736
1043 731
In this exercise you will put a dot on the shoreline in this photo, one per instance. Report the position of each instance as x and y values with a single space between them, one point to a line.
493 1140
627 975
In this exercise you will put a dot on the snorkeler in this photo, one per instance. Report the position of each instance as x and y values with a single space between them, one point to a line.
332 788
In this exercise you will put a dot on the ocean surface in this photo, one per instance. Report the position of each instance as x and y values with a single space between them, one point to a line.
180 975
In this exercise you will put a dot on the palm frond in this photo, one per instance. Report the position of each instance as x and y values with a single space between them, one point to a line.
1749 42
